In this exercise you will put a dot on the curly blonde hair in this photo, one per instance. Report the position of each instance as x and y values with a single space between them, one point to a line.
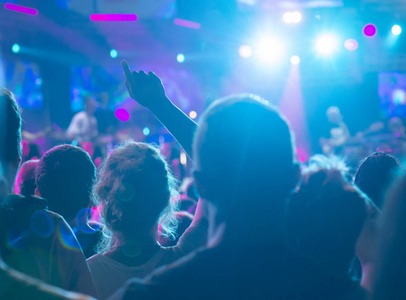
136 191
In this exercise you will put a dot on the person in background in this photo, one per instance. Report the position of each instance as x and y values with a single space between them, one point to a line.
83 126
339 133
16 285
330 220
31 237
10 136
25 181
375 174
389 272
136 192
65 176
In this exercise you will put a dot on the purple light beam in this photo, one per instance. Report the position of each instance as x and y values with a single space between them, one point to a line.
186 23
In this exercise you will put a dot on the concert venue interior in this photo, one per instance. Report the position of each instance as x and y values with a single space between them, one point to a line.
336 69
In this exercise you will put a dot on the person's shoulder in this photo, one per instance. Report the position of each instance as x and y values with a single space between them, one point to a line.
182 271
17 201
79 115
55 216
164 280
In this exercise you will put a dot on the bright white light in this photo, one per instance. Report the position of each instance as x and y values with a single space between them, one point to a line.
180 58
327 44
193 114
245 51
292 17
396 30
399 96
296 17
295 60
270 49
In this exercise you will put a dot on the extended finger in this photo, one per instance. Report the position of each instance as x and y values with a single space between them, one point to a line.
127 72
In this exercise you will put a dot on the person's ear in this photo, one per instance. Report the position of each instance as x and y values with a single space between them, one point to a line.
37 193
200 183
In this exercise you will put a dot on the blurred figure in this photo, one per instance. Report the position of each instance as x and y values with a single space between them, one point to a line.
136 191
396 126
65 176
31 237
10 136
390 269
339 133
25 181
16 285
83 126
330 221
375 174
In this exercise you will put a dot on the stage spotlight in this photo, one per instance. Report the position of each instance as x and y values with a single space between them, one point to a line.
292 17
245 51
351 45
270 49
369 30
15 48
295 60
113 53
180 58
193 114
146 131
396 30
327 44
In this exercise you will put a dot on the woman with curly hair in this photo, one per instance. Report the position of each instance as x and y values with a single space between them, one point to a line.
136 192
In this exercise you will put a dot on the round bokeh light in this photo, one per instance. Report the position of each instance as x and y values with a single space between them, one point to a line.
370 30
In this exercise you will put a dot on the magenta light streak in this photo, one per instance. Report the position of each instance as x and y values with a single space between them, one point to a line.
186 23
113 17
21 9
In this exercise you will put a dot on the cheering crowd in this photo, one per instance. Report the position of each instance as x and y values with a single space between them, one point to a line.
263 226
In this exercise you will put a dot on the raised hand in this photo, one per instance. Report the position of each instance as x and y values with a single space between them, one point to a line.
146 89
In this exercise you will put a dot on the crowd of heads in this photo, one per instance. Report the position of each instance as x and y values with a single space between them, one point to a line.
244 166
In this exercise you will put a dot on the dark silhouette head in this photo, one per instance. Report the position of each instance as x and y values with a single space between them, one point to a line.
326 216
243 150
10 134
390 268
25 181
135 190
65 176
90 105
375 174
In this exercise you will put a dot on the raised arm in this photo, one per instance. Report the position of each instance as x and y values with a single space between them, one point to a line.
147 90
